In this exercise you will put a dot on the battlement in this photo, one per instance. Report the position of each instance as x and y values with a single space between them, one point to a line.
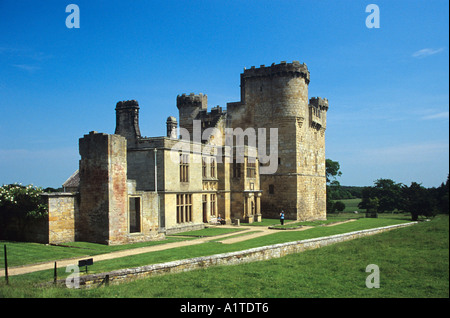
283 69
192 100
319 102
318 108
127 104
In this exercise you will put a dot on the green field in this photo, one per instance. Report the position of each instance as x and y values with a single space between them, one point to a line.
351 205
413 262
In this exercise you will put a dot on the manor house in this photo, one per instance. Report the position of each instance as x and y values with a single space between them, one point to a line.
262 154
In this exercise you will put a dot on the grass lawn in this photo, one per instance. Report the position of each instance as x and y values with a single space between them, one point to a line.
413 262
20 253
24 285
351 205
209 231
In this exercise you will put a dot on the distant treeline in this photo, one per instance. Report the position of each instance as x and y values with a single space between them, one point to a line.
345 192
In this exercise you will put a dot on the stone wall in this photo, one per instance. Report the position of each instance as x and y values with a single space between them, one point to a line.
233 258
103 189
62 208
149 218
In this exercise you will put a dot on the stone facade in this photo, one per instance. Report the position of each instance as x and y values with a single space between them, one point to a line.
133 188
62 208
277 97
191 177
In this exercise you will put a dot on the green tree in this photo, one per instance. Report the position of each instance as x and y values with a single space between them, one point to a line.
339 206
418 201
373 205
441 194
332 172
388 193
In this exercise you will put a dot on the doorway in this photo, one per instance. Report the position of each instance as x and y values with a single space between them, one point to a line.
134 212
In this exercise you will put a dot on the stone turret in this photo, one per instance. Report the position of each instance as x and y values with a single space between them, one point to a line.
189 106
127 120
318 108
294 69
171 124
276 96
275 92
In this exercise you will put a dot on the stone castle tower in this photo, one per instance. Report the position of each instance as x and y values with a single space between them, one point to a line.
277 97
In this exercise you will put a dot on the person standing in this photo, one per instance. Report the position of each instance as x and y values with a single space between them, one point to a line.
282 217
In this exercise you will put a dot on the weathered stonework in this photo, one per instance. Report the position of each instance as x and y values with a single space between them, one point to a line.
134 188
277 97
62 208
103 189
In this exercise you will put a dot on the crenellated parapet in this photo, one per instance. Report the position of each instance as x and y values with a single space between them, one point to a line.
192 101
294 69
319 102
318 108
127 104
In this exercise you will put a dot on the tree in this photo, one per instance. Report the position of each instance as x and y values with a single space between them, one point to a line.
332 169
372 208
332 172
418 201
386 191
339 206
441 195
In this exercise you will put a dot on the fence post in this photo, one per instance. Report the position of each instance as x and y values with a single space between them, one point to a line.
55 275
6 267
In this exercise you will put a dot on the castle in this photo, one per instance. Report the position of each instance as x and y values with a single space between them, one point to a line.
263 154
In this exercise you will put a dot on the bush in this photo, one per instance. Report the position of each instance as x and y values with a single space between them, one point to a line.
339 206
20 205
332 207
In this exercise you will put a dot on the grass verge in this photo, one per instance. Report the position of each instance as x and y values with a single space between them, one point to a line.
24 285
413 262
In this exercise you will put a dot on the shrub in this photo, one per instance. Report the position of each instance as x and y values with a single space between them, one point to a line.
20 205
339 206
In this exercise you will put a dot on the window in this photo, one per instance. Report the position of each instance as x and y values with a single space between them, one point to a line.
236 169
188 210
134 214
213 204
271 189
251 169
180 208
213 167
204 169
184 167
184 208
204 207
315 162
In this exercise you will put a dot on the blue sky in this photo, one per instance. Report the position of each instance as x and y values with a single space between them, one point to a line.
387 87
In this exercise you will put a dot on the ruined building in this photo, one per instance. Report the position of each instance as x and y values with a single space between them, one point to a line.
131 188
